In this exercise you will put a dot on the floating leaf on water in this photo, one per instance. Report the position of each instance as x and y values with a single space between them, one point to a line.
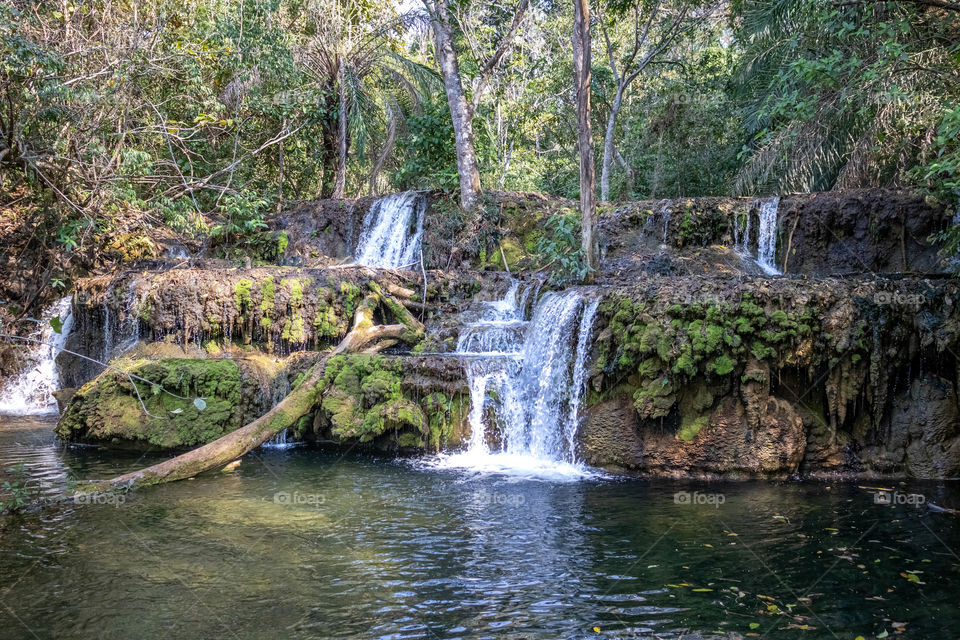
702 589
754 625
200 404
56 324
883 634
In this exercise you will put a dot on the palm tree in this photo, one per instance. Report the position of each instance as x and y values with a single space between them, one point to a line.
352 51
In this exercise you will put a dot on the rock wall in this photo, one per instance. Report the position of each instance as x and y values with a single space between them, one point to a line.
819 234
700 367
276 310
730 376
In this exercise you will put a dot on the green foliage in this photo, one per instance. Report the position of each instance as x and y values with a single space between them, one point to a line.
428 152
559 247
843 94
16 492
242 216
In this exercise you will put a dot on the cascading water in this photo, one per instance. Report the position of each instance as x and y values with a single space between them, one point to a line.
392 230
767 236
280 441
526 383
30 392
666 214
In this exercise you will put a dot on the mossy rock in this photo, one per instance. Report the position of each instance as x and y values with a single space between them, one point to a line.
365 401
107 409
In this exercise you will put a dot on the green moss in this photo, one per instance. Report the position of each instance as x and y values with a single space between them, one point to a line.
294 327
107 408
722 365
351 295
364 400
241 295
690 426
326 324
268 290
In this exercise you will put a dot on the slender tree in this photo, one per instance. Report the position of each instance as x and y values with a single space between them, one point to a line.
460 110
581 71
650 37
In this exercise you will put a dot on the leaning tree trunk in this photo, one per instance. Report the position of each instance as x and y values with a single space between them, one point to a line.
581 69
460 111
364 336
608 149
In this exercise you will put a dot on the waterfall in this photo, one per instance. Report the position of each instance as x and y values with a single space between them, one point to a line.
121 331
767 236
741 234
392 230
280 441
31 391
666 213
527 382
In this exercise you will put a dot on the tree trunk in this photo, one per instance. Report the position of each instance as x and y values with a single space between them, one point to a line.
460 111
297 404
340 178
608 146
627 192
581 69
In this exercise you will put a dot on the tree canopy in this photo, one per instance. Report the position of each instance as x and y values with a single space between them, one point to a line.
205 115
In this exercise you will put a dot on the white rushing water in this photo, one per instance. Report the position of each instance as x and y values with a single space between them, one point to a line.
392 230
766 235
281 441
527 382
30 393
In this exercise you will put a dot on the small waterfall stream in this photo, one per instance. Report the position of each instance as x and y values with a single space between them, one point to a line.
392 230
30 393
527 382
766 235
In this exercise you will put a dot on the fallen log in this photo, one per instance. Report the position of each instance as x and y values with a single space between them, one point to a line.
364 336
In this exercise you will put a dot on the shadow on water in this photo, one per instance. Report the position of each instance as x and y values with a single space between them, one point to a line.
300 544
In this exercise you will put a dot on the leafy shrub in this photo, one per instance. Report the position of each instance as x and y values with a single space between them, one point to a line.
560 248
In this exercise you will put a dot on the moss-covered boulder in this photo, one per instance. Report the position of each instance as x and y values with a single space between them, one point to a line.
161 412
370 399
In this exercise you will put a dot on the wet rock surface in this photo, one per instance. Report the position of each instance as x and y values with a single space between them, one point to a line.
701 365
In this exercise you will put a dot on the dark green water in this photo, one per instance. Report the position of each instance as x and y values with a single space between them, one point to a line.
299 544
